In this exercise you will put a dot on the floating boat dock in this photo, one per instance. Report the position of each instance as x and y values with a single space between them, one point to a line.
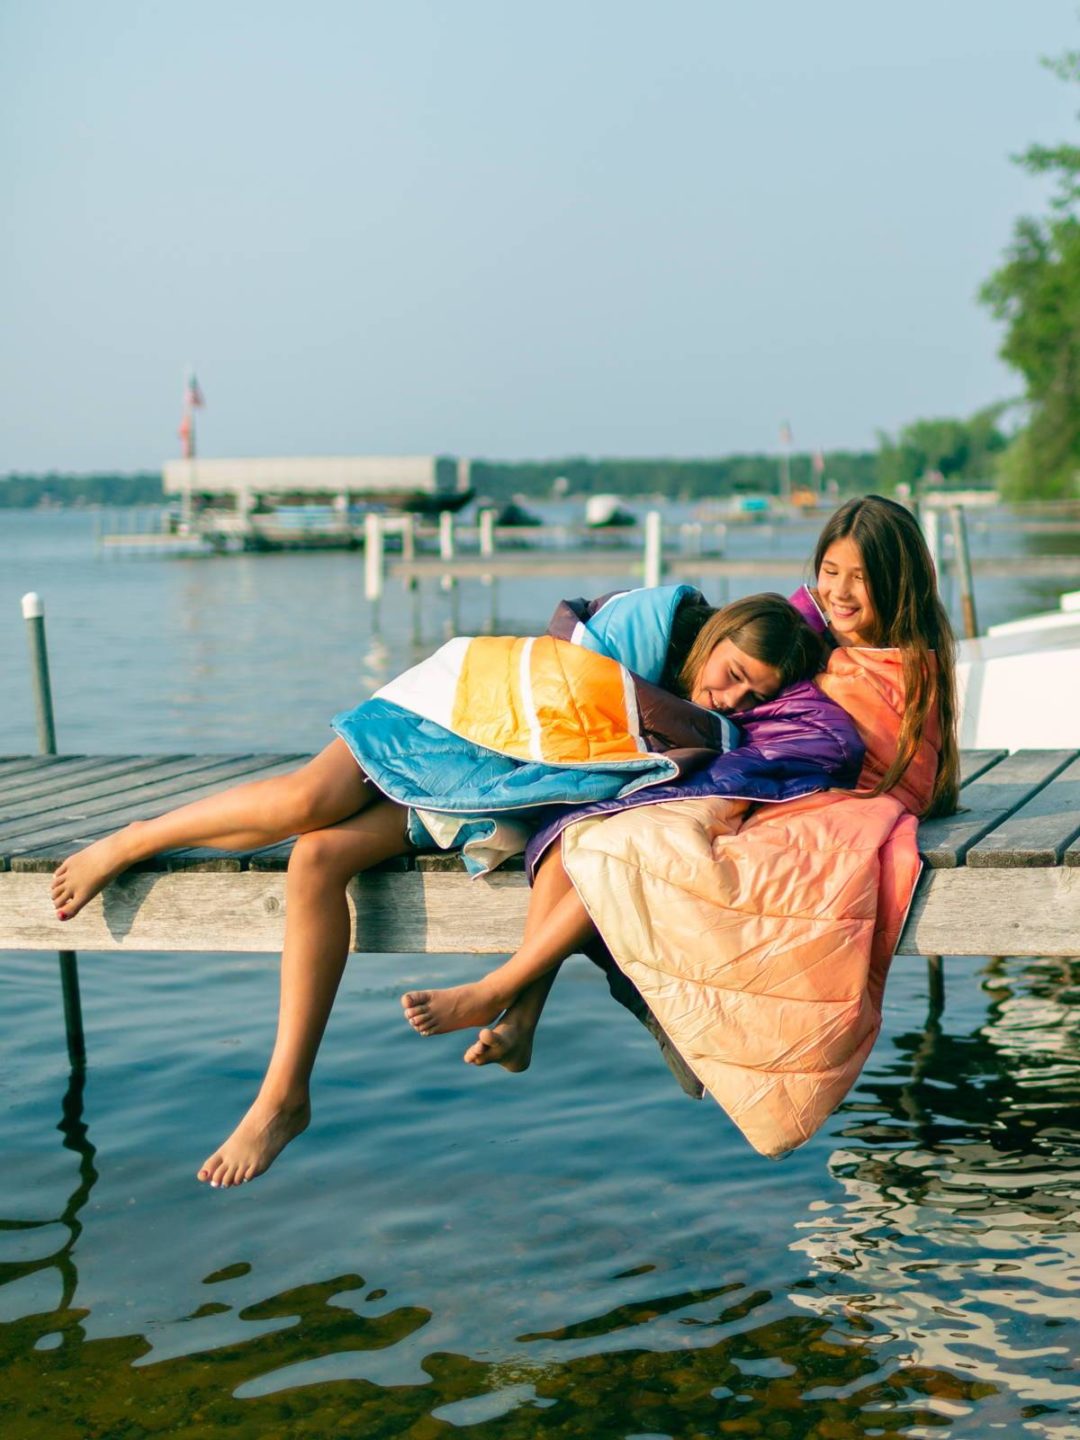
1001 877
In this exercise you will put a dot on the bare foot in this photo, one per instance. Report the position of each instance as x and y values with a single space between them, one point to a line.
87 872
505 1044
434 1012
255 1143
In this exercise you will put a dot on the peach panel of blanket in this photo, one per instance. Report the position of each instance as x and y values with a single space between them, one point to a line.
761 941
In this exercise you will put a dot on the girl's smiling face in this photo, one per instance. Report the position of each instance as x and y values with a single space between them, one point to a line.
731 680
845 596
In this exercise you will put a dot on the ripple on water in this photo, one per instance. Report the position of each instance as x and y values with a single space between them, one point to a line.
578 1248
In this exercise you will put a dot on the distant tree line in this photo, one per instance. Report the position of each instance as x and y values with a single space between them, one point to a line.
937 454
23 492
853 471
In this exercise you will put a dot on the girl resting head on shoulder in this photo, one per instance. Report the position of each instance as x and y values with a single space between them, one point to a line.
741 655
877 588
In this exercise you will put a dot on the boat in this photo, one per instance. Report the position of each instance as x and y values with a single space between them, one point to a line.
514 515
606 512
1019 684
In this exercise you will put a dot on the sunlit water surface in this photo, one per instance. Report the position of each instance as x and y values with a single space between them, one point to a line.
579 1251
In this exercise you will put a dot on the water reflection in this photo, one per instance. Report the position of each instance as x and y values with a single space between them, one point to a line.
957 1227
326 1357
76 1137
915 1277
788 1376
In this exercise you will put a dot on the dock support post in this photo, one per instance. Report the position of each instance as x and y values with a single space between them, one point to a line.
931 528
73 1021
408 548
33 609
245 505
487 539
691 539
963 570
721 532
691 532
654 552
373 556
935 985
446 543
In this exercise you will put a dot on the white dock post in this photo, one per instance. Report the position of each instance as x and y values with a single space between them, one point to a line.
446 543
931 525
721 532
691 532
374 566
245 506
963 570
33 609
487 532
654 553
408 548
487 539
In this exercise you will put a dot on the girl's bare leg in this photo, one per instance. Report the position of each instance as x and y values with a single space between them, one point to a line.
509 1043
564 928
327 789
316 947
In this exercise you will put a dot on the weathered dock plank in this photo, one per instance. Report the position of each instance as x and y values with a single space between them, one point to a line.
110 777
956 912
20 764
1003 876
621 562
974 763
37 847
629 561
60 771
1040 831
988 801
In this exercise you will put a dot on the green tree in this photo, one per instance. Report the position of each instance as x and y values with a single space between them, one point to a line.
1036 293
961 452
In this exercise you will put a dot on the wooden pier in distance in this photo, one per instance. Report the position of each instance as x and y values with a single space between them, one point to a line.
1002 877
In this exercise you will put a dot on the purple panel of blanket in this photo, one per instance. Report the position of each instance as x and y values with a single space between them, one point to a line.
798 743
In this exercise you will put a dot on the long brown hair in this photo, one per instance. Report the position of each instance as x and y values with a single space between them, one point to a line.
899 576
765 627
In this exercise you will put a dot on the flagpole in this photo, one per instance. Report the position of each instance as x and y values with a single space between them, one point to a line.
192 401
819 472
785 461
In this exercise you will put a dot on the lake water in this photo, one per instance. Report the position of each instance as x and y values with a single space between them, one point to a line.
579 1251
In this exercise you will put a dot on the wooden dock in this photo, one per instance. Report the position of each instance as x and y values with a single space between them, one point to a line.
624 561
1002 877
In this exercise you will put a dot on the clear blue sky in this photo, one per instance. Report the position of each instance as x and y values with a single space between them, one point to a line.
493 228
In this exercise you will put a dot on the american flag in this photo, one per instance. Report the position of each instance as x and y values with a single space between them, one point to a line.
193 396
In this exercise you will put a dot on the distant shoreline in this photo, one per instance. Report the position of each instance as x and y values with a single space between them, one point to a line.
687 479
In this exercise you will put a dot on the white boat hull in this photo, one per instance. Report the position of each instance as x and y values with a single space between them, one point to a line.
1020 689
